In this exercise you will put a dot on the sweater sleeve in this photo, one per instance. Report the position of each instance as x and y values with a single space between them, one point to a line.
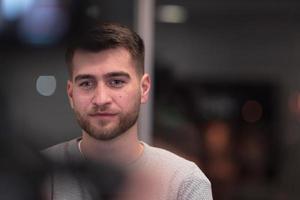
195 186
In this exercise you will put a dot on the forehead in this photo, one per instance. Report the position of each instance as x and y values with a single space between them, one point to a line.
106 61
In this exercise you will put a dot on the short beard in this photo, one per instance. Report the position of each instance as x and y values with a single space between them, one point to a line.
126 121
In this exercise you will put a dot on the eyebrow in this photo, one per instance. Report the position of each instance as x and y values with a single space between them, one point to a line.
117 74
108 75
83 76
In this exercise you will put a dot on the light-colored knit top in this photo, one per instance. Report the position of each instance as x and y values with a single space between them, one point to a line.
161 175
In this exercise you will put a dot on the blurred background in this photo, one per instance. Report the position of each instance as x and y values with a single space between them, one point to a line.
226 83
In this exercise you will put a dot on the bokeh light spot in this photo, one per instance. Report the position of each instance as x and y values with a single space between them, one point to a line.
46 85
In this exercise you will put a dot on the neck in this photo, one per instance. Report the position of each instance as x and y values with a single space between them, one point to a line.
124 149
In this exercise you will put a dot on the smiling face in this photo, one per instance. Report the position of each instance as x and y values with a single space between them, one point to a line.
105 92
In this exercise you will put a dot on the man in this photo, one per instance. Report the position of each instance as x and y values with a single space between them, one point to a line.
106 87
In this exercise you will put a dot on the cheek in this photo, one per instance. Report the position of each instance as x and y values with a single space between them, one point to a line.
123 99
81 102
128 98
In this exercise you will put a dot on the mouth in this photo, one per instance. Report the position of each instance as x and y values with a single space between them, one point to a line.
103 115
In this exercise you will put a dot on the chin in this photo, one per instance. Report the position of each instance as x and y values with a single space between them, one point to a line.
105 134
105 137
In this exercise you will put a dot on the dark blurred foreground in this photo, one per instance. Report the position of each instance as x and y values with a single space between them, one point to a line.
25 174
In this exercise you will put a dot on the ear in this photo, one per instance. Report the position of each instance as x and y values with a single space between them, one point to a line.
70 93
145 88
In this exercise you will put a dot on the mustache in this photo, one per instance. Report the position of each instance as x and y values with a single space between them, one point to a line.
102 109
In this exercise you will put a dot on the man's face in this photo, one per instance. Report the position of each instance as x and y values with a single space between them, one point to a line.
105 92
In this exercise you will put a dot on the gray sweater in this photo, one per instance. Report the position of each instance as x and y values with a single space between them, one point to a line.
169 176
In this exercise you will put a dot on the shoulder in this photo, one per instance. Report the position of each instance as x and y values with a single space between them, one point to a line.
172 161
186 180
55 152
194 185
62 151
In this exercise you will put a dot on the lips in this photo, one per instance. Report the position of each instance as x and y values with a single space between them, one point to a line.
103 114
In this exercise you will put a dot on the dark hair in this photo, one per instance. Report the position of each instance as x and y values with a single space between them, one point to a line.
98 36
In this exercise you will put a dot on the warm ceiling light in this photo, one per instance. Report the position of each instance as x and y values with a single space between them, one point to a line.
171 14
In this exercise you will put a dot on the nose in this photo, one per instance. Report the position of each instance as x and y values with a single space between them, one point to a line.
101 95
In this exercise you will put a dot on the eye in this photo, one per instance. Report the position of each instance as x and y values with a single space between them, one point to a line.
86 84
116 83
